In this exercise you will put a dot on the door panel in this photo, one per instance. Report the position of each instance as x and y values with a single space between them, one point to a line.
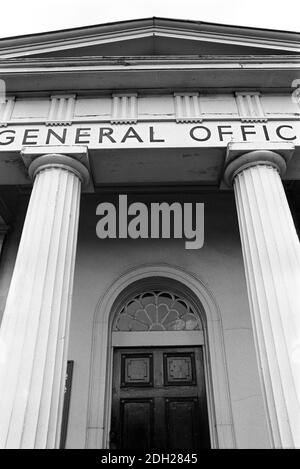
183 423
179 369
136 369
159 399
136 423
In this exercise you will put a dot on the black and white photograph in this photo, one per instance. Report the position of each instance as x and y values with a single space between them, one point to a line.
149 228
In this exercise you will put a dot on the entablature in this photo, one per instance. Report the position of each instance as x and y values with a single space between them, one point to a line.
131 107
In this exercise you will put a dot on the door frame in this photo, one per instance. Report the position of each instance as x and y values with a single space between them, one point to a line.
217 386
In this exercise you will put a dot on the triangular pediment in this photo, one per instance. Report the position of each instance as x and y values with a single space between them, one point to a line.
155 45
152 37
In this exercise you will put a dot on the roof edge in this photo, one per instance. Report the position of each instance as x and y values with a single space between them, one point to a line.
148 22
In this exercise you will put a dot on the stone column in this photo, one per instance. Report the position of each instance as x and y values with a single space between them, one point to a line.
272 263
34 330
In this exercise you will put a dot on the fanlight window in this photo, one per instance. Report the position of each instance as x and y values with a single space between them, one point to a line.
157 311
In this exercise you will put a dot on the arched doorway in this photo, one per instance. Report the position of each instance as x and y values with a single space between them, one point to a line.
101 370
159 385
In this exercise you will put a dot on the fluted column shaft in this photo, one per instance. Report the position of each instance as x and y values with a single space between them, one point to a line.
34 330
272 263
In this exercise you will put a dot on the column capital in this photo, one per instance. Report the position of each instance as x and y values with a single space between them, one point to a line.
243 155
70 158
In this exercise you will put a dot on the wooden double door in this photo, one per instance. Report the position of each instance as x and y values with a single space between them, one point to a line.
159 399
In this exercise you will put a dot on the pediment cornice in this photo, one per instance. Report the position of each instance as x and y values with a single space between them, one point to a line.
136 30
